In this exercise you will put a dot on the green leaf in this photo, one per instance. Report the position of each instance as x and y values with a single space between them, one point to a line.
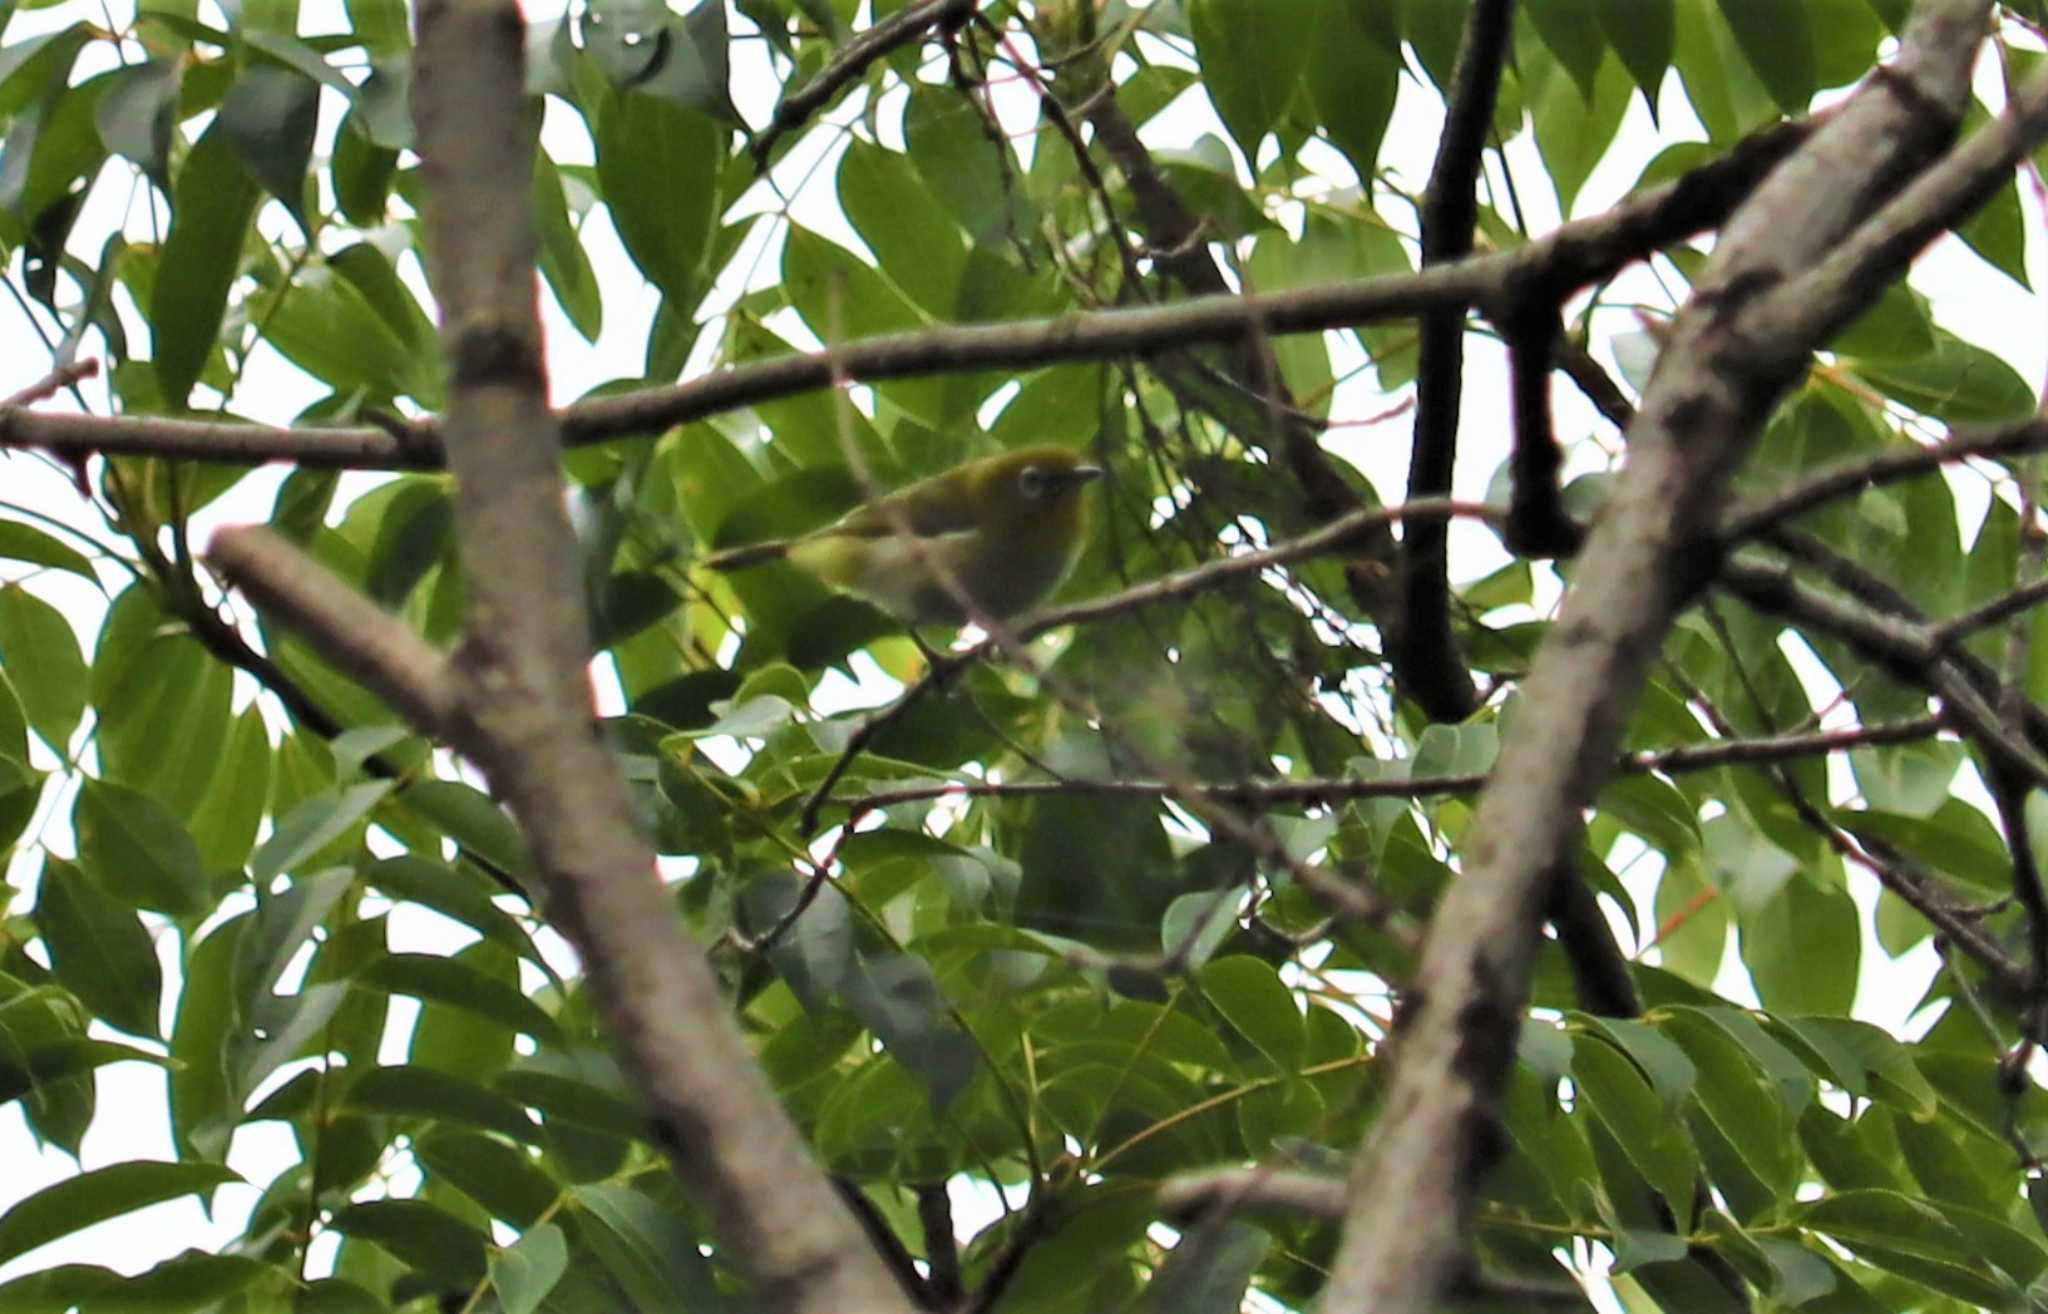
523 1274
56 1290
1803 948
99 1194
212 204
163 702
1860 1058
897 996
1249 993
1997 232
1207 1271
382 24
1912 779
973 174
409 1090
204 1107
647 1249
136 849
225 820
1692 921
327 327
815 954
1671 1073
502 1178
312 826
362 173
1572 31
658 164
1778 40
25 1070
462 898
192 1280
420 1234
1741 1100
1907 1237
917 244
23 542
40 653
1958 382
99 949
136 114
1643 33
472 819
1253 53
1196 925
1722 89
284 921
1655 1143
1574 129
448 981
563 261
578 1103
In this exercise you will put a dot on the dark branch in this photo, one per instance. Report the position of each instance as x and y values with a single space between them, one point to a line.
853 59
1427 665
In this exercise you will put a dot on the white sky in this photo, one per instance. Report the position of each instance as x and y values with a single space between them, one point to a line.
1969 298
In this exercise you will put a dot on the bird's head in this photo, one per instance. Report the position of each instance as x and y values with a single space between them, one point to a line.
1032 497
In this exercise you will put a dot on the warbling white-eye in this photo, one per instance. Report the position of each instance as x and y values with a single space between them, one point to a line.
1006 529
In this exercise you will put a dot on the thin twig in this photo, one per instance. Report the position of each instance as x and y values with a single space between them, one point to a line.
1325 792
1186 583
850 62
56 381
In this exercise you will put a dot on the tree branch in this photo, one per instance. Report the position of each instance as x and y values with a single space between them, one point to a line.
362 640
1414 1183
1325 792
524 703
1575 253
1426 661
1187 583
852 60
1754 518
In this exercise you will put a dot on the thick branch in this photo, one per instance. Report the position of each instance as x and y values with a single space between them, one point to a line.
526 703
1414 1184
362 640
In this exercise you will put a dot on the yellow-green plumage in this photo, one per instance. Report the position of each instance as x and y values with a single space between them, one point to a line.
1005 529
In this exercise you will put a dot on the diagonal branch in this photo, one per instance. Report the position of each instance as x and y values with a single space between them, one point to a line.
361 639
1755 518
853 59
521 706
1413 1186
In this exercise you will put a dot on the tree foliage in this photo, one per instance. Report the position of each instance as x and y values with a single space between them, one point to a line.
1033 957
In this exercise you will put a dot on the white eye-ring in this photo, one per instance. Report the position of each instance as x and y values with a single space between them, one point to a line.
1031 480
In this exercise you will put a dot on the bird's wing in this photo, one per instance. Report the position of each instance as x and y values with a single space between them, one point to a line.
927 513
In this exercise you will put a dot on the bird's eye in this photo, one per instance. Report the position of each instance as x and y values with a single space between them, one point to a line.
1031 481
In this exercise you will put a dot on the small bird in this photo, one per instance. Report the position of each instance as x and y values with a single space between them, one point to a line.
1005 529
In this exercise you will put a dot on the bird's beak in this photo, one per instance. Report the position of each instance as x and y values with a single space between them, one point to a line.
1082 474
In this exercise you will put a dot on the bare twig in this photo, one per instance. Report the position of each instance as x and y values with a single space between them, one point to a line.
56 381
1187 583
1327 792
